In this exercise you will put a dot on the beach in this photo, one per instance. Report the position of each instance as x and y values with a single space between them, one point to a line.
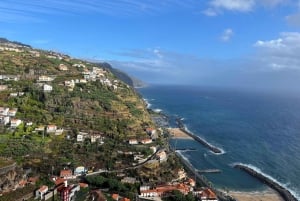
177 133
268 195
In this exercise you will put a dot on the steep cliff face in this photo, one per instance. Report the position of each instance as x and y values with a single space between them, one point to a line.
9 177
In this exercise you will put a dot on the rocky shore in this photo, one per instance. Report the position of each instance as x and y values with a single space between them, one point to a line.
284 193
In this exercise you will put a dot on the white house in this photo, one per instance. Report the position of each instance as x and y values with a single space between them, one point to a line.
63 67
4 111
79 138
47 88
14 123
41 192
51 128
45 78
12 112
4 120
133 141
162 156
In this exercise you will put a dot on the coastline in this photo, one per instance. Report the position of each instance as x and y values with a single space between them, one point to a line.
212 148
266 195
177 133
263 195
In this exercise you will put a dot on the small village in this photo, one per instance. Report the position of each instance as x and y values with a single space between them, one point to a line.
70 181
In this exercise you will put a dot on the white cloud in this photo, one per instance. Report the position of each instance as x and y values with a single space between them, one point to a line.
234 5
227 35
216 7
280 53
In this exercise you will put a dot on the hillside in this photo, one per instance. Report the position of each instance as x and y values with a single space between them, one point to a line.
48 91
131 81
58 112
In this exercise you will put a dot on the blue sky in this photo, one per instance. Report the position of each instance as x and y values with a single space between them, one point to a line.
250 43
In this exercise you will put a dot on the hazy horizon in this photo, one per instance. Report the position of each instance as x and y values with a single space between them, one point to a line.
246 44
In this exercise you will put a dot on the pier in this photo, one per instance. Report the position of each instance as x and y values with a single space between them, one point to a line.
283 192
198 139
209 171
203 181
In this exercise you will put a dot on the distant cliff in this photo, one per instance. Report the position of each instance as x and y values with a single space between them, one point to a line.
131 81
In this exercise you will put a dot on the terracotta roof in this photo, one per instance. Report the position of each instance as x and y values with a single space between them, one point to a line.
115 196
64 173
43 189
59 181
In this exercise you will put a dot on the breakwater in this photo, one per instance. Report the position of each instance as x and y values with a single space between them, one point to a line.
200 179
284 193
197 138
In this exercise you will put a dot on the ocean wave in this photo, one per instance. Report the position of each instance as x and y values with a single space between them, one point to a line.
157 110
258 170
201 138
148 104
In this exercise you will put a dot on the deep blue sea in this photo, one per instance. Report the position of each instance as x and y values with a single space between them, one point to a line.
254 128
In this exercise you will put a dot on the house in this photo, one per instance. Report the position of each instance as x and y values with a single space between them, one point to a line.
80 170
67 192
51 128
94 137
66 174
63 67
115 196
146 141
41 192
47 88
162 156
133 141
4 111
70 83
45 78
129 180
3 87
150 131
4 120
59 131
80 138
160 191
59 181
15 94
12 112
40 128
208 195
14 123
192 182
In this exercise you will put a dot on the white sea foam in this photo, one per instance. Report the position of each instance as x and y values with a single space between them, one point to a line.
147 102
286 186
157 110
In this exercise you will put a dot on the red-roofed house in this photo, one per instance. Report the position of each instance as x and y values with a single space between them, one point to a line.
51 128
66 174
146 141
208 195
115 196
41 192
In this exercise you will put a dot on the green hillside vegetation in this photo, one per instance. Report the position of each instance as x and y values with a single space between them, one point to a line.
117 114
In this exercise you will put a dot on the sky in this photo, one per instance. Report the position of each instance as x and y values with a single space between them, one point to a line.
230 43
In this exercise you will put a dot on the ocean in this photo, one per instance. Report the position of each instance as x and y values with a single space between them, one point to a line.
259 129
